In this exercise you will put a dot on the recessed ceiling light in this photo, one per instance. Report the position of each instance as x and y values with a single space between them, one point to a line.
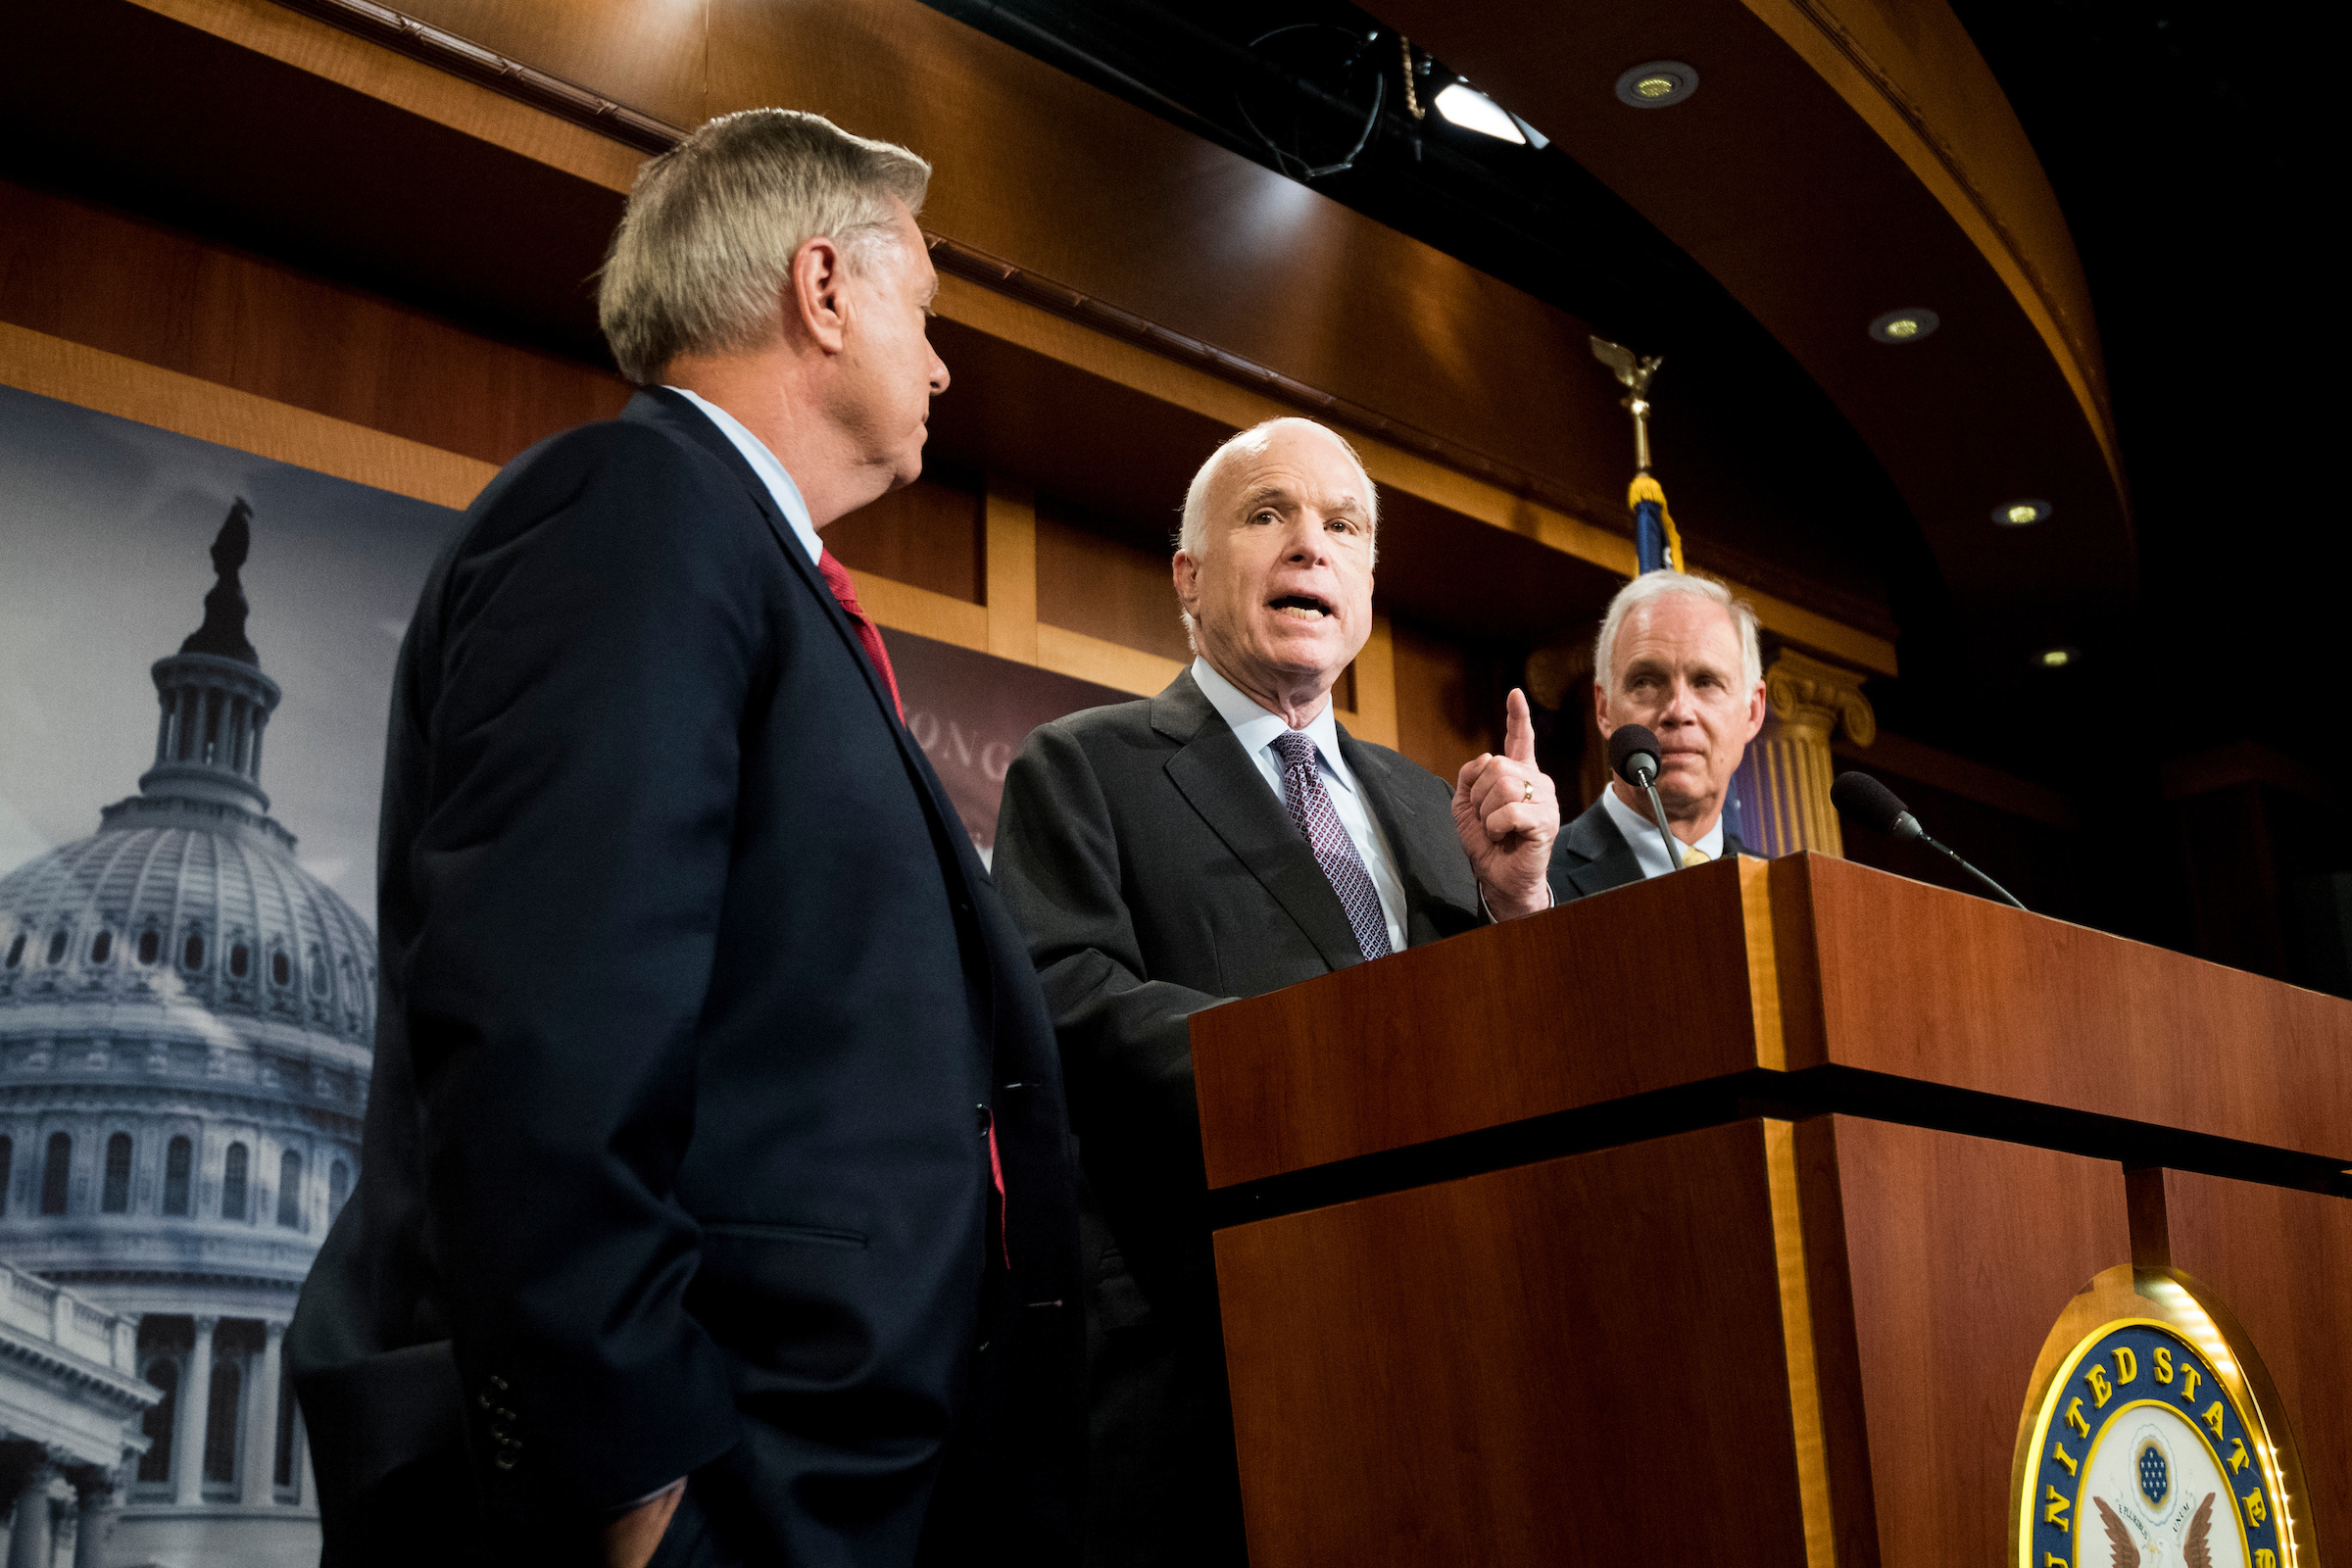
1660 84
1906 325
2017 514
2058 658
1473 109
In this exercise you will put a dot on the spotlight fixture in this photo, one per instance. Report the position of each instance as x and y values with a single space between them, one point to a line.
1905 326
1660 84
2058 658
2017 514
1466 107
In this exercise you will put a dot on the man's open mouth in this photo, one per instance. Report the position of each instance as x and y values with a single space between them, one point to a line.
1306 607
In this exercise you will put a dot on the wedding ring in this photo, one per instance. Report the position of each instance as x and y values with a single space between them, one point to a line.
1529 799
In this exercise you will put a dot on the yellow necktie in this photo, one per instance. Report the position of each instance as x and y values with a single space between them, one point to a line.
1694 856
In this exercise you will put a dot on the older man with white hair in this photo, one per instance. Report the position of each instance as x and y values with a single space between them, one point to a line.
716 1198
1221 840
1677 654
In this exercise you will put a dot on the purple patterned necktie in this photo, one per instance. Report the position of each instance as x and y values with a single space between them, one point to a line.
1311 810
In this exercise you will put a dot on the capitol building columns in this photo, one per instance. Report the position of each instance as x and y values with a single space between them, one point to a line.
195 1415
26 1475
261 1419
71 1411
225 1432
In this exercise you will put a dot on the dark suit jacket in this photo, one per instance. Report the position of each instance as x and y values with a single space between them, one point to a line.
1156 874
695 1005
1590 855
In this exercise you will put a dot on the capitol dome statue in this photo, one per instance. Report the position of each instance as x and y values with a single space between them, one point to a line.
186 1019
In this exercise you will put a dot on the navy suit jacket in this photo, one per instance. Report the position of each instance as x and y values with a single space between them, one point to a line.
1590 855
695 1007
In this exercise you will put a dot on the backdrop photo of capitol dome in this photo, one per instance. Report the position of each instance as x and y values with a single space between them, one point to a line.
196 658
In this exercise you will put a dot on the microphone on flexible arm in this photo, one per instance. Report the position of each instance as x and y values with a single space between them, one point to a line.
1633 758
1866 800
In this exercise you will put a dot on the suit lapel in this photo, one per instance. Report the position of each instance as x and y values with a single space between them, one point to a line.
1217 778
1599 858
659 405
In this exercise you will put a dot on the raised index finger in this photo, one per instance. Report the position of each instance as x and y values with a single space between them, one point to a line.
1518 730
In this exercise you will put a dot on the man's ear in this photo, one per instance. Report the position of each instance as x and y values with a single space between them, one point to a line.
1185 572
1600 707
813 301
1756 710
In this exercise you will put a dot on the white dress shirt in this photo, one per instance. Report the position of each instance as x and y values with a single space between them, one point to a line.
1643 834
1255 729
772 472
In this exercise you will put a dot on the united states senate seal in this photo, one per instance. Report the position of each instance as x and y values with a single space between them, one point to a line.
2152 1437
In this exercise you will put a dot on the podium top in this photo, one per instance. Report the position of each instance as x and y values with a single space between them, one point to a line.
1792 977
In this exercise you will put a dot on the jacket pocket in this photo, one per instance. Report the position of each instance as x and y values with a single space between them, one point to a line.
807 1235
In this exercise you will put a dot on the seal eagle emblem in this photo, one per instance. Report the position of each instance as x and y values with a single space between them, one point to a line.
2197 1551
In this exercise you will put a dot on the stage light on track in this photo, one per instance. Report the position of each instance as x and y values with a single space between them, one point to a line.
1659 84
1905 326
2017 514
1472 110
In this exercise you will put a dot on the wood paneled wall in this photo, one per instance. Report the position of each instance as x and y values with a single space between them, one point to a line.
929 535
92 277
1092 582
1449 701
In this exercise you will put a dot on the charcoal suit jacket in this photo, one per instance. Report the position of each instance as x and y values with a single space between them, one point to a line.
1156 874
1590 855
696 1010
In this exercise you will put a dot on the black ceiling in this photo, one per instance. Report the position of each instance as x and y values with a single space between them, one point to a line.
2186 151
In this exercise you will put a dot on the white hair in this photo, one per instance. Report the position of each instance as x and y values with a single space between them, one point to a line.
1193 531
1652 586
706 243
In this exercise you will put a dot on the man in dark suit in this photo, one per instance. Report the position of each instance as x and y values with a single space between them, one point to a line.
1677 653
715 1199
1221 840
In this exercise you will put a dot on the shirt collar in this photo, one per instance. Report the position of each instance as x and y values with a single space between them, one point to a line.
1643 834
766 464
1255 728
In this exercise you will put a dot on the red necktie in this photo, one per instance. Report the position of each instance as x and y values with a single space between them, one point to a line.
870 636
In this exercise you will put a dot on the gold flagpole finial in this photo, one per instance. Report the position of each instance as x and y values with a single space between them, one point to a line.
1635 373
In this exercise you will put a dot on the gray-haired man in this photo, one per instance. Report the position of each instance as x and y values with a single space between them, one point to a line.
715 1197
1677 653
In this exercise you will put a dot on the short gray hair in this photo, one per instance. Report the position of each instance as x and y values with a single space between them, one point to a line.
1652 586
707 244
1193 529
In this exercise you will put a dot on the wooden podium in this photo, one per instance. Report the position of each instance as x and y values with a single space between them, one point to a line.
1720 1220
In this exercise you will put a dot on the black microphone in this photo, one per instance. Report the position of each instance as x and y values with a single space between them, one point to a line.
1633 758
1867 801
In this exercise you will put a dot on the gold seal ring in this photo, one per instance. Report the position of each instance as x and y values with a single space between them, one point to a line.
1529 799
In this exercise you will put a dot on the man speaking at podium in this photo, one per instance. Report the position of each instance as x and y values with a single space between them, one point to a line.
1679 655
1221 840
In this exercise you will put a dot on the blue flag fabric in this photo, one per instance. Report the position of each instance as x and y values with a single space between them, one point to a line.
1649 537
